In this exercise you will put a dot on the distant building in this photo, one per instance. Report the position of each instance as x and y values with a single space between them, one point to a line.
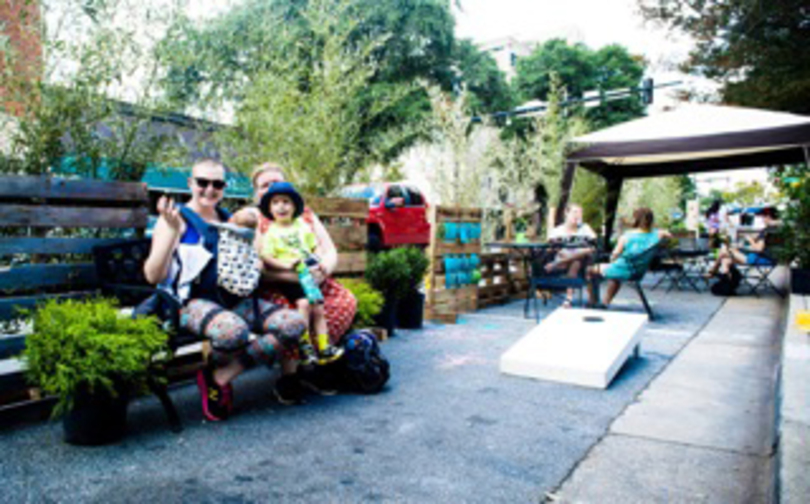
507 51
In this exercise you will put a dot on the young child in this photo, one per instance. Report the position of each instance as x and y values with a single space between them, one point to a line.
289 244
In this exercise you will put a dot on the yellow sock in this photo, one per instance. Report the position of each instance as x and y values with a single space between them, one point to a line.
323 341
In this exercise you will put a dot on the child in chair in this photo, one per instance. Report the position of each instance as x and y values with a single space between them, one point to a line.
289 243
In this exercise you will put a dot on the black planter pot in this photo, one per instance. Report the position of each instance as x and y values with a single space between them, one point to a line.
800 281
387 318
411 310
96 418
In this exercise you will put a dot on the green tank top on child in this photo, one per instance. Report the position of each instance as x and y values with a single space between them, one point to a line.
289 243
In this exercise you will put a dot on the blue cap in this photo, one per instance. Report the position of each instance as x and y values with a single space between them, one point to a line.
281 188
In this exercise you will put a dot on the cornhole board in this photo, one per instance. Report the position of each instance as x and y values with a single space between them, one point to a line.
579 346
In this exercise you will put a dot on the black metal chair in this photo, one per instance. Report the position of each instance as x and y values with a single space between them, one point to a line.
639 264
555 281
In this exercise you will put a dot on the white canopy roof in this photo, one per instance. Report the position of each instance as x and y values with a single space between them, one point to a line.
694 138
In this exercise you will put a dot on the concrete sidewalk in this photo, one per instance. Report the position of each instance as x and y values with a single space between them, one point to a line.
704 430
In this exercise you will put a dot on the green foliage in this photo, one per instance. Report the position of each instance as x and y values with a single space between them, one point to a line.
581 69
793 183
660 194
524 166
88 344
756 50
369 301
66 105
418 265
489 91
688 189
226 61
389 273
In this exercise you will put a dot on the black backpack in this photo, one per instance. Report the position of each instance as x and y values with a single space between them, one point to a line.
728 283
363 368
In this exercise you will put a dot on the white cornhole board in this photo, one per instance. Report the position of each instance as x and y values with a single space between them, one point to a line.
583 347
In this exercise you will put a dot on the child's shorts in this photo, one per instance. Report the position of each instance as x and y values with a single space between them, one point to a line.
291 291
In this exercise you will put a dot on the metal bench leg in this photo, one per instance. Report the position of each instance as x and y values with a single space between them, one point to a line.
530 292
162 393
647 307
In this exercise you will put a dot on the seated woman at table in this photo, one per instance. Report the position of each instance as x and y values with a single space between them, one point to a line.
754 254
633 242
571 260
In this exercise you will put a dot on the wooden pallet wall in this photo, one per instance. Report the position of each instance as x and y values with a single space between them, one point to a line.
443 304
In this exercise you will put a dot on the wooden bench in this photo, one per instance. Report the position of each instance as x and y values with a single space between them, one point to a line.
80 238
48 229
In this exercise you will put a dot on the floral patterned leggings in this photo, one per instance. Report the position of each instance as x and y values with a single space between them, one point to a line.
229 331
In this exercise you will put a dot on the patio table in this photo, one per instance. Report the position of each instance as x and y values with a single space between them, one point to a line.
541 253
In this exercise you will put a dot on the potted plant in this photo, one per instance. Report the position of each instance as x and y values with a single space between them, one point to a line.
521 226
387 272
369 302
794 184
410 314
93 359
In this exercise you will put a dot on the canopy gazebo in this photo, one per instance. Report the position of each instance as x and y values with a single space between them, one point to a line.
691 139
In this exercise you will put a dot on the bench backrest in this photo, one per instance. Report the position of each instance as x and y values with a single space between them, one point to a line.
48 228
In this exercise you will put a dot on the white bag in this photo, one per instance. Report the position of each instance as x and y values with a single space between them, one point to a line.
237 260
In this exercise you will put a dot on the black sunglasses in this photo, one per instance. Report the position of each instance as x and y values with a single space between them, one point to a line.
202 183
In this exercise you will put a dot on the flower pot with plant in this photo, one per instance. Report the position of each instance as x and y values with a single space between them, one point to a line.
387 272
93 359
410 314
794 235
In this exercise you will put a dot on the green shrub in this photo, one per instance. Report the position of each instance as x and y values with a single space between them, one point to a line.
369 301
418 265
89 345
388 272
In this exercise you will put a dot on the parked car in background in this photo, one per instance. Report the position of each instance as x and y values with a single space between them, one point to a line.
397 213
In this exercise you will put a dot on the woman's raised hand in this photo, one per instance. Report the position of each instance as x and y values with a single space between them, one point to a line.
170 213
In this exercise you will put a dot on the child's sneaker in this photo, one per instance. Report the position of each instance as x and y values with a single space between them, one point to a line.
329 354
307 355
217 401
326 351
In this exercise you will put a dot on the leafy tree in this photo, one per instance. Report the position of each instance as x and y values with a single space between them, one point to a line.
531 166
489 91
688 190
757 50
214 65
65 105
581 69
303 111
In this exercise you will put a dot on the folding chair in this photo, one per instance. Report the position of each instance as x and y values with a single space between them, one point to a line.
757 277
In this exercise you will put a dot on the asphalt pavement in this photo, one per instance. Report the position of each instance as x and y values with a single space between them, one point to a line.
448 428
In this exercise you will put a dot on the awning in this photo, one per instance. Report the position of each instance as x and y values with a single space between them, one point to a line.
694 138
169 179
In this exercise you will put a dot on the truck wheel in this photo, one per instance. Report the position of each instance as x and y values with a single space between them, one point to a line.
374 240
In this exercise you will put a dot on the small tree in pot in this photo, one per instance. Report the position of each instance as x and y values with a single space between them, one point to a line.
92 359
388 273
412 305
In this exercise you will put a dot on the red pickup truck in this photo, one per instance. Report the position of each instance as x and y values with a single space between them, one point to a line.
397 213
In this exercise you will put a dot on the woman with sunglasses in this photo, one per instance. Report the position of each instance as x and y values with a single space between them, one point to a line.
183 261
339 305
